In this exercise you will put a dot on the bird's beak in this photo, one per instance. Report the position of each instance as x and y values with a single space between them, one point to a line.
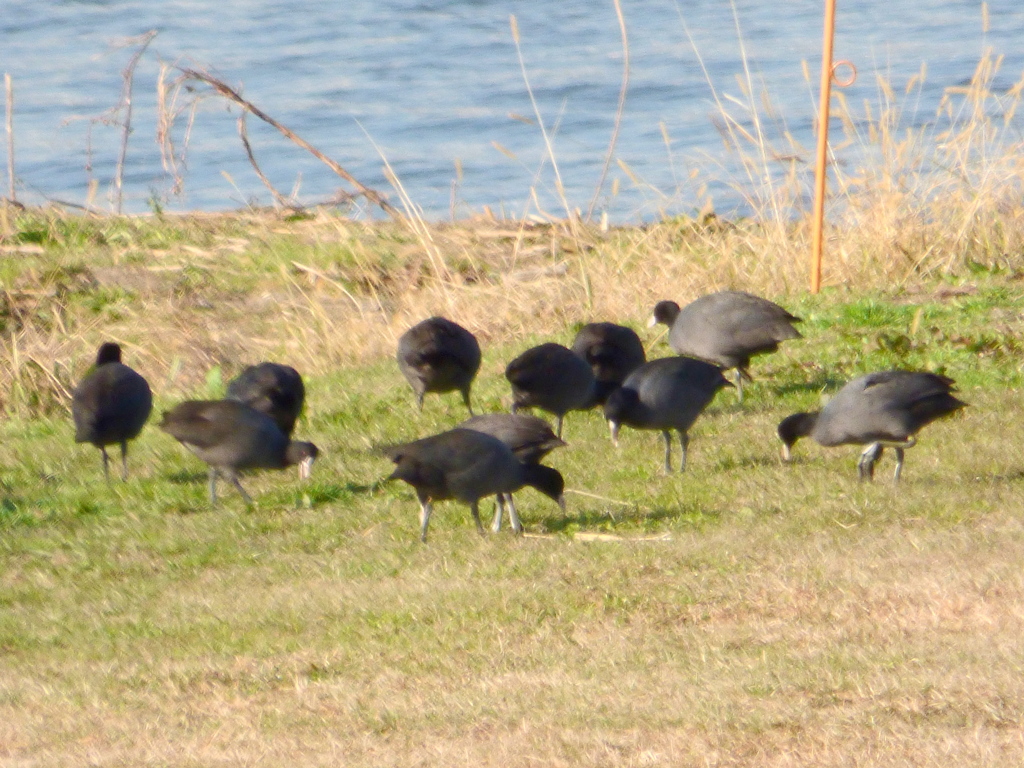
787 452
652 321
306 468
613 427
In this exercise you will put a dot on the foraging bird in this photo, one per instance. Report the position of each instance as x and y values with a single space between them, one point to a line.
529 438
110 405
726 328
880 410
467 465
438 355
231 436
273 389
664 394
613 351
552 378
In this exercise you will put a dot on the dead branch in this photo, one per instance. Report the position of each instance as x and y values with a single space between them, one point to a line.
9 89
168 110
618 110
244 135
126 104
232 95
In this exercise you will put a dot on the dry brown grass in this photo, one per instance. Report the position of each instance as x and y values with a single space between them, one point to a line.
327 292
728 648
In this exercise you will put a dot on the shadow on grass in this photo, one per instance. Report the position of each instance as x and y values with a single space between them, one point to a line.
821 381
14 512
320 493
748 462
632 517
1014 476
187 477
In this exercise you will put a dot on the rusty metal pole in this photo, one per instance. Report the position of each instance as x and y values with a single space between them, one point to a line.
817 230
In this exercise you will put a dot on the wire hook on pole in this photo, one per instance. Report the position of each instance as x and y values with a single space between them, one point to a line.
848 80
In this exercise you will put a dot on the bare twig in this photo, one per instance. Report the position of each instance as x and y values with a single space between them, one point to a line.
126 103
167 112
618 110
755 115
9 88
231 94
244 135
415 221
559 186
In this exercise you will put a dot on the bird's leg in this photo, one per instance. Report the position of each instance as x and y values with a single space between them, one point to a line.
106 470
684 443
739 384
233 477
499 511
668 451
424 517
235 482
899 465
419 400
465 399
513 516
868 457
899 447
213 486
558 433
474 507
124 460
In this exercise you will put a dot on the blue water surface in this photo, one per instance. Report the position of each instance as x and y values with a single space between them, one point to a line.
435 88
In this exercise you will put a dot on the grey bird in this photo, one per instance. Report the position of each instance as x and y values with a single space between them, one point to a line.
231 436
110 405
467 465
273 389
613 352
552 378
666 394
438 355
529 438
879 410
726 328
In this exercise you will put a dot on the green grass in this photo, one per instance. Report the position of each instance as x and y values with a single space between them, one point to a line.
745 613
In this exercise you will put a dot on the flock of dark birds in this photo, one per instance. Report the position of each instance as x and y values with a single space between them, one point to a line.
496 454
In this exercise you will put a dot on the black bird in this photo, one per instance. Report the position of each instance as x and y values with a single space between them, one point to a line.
467 465
613 351
665 394
273 389
529 438
552 378
880 410
110 405
726 328
230 436
438 355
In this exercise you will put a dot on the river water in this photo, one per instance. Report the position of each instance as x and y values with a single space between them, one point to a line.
436 88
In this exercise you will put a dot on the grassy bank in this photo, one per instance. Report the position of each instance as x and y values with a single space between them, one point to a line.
746 613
